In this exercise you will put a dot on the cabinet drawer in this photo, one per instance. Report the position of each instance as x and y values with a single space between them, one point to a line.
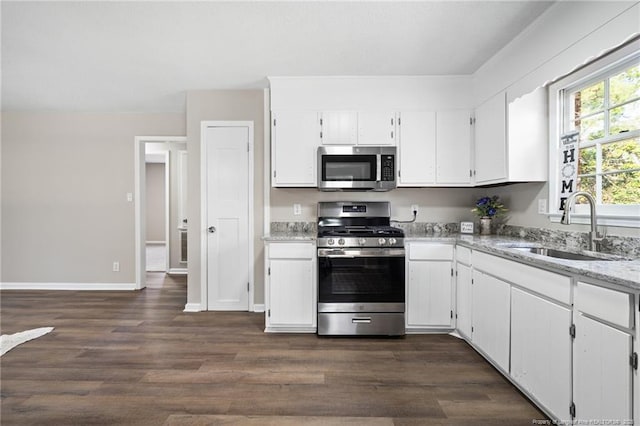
613 306
541 281
463 255
430 251
291 251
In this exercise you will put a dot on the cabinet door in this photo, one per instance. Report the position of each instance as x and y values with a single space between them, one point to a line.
339 128
429 290
453 147
296 136
491 141
291 293
602 375
463 296
417 148
541 350
527 134
491 306
376 128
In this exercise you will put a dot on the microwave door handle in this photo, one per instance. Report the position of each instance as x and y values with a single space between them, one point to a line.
378 167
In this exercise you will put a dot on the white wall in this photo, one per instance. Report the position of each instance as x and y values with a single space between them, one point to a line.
566 36
238 105
65 177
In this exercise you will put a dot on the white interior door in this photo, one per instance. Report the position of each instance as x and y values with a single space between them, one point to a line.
227 191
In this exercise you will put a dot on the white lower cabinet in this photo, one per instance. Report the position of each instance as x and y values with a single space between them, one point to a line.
566 343
463 291
541 350
491 309
429 291
291 289
603 346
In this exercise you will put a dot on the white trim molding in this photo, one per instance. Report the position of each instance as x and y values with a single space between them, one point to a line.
69 286
192 307
178 271
258 307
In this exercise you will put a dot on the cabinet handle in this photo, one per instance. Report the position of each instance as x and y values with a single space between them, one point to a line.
392 134
361 320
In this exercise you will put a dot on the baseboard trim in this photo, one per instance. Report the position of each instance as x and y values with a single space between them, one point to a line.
192 307
178 271
258 308
158 243
69 286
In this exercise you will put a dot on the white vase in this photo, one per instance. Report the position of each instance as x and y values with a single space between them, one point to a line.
485 225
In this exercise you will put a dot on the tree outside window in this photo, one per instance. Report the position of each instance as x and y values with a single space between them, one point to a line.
606 112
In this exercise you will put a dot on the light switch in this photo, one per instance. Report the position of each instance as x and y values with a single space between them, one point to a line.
129 196
297 209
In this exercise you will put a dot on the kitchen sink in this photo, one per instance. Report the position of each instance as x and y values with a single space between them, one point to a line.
559 254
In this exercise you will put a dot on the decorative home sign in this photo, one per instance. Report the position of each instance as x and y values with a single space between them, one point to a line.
569 166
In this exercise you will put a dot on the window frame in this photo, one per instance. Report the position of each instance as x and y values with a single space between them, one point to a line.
559 92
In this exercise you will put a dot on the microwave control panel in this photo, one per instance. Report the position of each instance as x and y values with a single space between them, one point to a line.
387 170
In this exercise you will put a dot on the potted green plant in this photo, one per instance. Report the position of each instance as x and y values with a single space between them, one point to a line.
486 208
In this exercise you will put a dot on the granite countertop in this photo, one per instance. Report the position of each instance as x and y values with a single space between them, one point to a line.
622 273
290 236
619 271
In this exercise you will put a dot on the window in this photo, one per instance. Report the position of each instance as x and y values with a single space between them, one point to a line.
602 103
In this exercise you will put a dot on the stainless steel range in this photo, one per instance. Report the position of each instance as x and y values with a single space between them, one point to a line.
361 270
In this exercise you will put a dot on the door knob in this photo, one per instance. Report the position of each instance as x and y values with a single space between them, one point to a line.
212 229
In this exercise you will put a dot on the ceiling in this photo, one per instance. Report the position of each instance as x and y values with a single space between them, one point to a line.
144 56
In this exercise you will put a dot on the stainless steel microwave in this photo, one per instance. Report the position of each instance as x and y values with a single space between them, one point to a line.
356 168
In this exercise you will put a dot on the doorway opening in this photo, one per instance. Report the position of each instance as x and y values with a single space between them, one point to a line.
160 206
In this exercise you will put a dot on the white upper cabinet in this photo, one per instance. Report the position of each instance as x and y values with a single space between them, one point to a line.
511 139
527 136
339 128
416 148
373 128
453 147
434 148
294 145
491 141
376 128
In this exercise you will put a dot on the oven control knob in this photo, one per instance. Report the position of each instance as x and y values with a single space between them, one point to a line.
381 241
330 241
362 241
341 241
392 241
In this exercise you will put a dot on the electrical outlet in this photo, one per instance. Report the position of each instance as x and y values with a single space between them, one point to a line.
414 208
297 209
129 196
542 206
116 266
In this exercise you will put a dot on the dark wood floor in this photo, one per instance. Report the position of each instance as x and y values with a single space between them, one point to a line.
136 358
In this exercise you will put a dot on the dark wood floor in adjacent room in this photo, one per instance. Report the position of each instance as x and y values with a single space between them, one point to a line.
135 358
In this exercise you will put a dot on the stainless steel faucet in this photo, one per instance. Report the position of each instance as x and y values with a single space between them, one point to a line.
594 236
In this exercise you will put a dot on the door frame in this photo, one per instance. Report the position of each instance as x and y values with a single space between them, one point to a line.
140 205
204 277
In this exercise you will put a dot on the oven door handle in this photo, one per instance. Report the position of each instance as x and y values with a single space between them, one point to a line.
371 252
